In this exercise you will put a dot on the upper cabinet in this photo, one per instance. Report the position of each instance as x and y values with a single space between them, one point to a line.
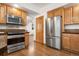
55 12
68 15
58 12
51 13
75 13
24 17
13 11
71 14
2 13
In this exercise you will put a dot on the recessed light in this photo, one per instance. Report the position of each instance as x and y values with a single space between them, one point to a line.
15 5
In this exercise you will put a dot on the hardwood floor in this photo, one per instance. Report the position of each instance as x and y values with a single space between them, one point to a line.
37 49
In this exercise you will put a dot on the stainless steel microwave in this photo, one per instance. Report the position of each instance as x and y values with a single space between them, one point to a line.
11 19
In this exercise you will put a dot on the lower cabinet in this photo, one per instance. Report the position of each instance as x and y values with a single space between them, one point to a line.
26 39
75 42
66 41
70 42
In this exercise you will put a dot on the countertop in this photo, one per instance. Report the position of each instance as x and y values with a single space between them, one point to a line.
7 30
72 31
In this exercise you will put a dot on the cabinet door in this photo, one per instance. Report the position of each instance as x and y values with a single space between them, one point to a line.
58 12
68 15
76 14
2 13
13 11
26 39
24 17
10 10
66 41
18 12
51 13
40 29
75 42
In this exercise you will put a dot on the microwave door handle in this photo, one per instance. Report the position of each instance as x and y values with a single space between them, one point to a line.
20 20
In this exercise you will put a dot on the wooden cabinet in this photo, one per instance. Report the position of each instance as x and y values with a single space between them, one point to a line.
70 42
26 39
10 10
18 12
71 14
68 15
58 12
13 11
66 41
75 42
75 13
2 13
51 13
40 29
24 17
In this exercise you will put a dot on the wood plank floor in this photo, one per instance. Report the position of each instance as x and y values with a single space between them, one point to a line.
37 49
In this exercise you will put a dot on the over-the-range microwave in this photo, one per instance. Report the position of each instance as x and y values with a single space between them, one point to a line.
11 19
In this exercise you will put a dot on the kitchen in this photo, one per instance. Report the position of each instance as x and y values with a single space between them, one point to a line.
56 30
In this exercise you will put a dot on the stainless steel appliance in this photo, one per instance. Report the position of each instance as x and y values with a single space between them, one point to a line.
15 41
11 19
53 32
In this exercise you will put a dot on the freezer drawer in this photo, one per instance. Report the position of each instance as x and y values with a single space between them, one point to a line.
53 42
50 42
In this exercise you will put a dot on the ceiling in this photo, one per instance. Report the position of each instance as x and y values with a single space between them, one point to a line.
40 5
37 8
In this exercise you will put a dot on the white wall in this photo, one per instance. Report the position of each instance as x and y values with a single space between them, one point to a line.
31 20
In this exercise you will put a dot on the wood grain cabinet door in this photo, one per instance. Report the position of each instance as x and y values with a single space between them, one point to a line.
75 42
68 15
66 41
24 17
18 12
10 10
13 11
26 39
75 13
40 29
2 13
51 13
57 12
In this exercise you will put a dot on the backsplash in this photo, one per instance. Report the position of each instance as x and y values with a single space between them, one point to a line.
72 26
11 27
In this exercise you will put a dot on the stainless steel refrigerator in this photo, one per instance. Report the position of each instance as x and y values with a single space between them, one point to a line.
53 32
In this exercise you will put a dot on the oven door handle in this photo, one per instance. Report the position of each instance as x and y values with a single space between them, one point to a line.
15 36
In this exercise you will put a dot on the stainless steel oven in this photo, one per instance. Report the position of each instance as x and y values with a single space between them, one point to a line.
15 41
11 19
